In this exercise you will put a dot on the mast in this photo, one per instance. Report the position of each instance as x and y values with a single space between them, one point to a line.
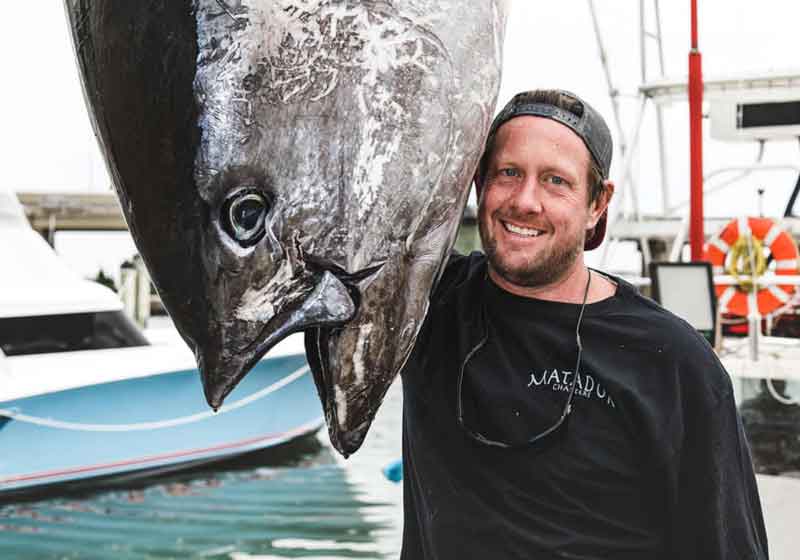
696 234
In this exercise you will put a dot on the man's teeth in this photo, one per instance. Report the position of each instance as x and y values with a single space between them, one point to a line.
521 230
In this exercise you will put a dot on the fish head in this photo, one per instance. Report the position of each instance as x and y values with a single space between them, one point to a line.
326 149
309 140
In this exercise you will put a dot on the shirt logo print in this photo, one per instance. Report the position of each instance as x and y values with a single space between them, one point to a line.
586 385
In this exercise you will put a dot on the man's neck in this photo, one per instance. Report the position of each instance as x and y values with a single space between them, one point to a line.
569 288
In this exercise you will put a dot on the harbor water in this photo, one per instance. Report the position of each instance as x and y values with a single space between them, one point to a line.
302 502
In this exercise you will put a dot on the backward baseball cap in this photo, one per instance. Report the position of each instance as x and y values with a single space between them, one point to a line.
581 118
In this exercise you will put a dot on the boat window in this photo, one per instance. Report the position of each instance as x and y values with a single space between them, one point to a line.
64 333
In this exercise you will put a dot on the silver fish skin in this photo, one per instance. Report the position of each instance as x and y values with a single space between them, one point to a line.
293 165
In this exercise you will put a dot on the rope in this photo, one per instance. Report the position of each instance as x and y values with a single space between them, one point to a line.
747 262
778 397
141 426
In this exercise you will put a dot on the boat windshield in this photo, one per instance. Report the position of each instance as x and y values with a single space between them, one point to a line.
64 333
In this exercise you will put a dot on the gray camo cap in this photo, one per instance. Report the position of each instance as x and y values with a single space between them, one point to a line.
583 119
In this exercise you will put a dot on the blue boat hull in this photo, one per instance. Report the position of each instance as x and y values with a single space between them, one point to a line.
152 423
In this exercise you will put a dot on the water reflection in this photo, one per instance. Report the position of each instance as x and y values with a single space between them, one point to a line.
771 418
297 504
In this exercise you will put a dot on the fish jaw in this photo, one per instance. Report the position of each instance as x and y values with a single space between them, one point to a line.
355 364
223 364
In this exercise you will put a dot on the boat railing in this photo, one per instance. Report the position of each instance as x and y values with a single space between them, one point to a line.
729 280
741 171
761 281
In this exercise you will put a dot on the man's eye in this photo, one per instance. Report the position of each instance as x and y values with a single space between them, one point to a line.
509 172
556 180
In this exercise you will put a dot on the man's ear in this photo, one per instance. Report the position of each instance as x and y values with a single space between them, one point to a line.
600 204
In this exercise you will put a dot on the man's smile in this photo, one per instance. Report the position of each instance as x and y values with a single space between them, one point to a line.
520 230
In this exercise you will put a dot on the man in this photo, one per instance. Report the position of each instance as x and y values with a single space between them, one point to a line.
550 410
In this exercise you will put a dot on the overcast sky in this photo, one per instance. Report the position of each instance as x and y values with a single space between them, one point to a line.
46 142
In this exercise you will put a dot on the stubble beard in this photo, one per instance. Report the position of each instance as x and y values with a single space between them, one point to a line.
535 271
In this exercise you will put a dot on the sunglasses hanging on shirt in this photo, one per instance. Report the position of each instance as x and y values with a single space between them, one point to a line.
565 412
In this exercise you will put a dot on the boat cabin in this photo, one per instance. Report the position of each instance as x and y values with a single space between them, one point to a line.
47 307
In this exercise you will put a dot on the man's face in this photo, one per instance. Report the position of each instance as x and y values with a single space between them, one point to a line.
534 207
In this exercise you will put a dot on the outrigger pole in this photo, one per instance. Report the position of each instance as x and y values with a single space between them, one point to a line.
696 234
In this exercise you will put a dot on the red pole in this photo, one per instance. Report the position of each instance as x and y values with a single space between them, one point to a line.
696 234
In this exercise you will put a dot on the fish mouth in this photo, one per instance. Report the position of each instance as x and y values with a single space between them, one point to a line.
317 343
221 368
332 303
349 279
347 441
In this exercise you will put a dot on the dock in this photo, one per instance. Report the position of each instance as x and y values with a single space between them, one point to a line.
49 212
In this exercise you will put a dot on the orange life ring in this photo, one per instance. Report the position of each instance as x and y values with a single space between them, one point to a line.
765 232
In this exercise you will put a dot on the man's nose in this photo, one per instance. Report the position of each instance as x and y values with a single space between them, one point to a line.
527 196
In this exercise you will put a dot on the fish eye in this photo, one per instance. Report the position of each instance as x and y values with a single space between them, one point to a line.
244 215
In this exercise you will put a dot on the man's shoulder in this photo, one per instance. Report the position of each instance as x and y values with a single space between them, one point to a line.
646 313
460 272
696 363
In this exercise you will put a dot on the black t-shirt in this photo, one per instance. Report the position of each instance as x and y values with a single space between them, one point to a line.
624 477
517 385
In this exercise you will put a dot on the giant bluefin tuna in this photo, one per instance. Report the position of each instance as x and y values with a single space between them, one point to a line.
293 165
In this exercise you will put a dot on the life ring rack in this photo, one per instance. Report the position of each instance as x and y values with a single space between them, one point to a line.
739 250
